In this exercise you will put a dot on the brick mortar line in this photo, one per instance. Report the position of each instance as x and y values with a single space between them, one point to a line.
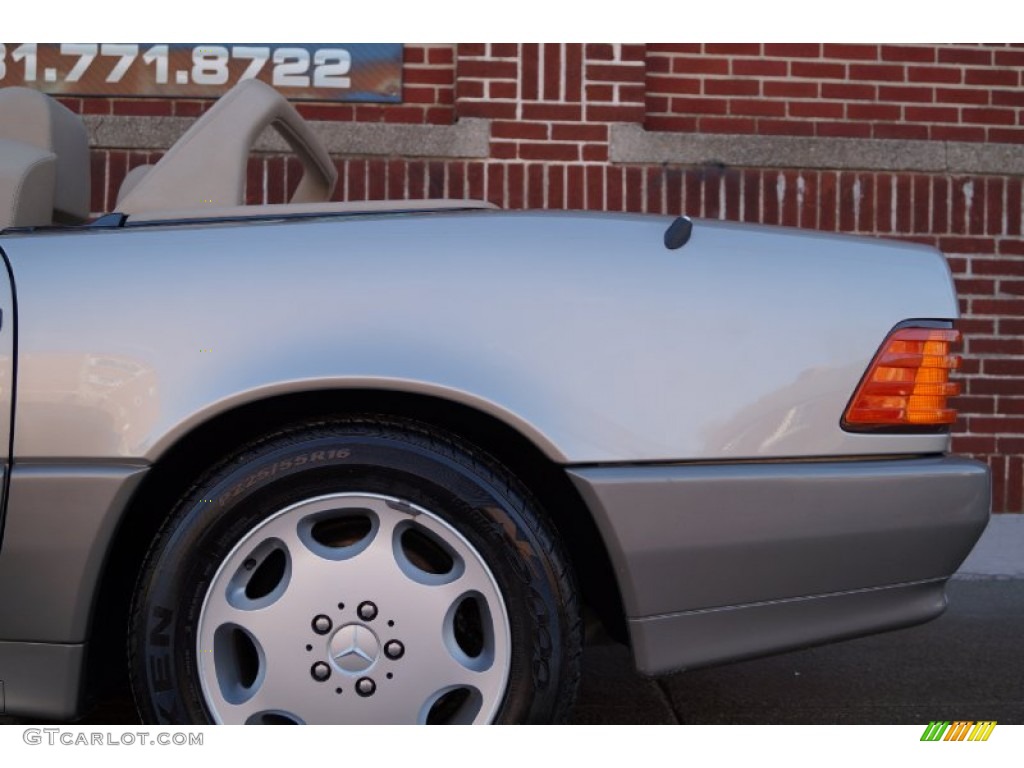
829 59
847 78
818 99
837 63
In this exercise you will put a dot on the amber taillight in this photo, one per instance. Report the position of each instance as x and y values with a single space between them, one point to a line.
907 384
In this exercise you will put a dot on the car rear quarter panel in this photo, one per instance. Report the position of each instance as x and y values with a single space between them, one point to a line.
583 332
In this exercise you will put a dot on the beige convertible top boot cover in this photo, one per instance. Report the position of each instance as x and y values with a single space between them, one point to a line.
206 167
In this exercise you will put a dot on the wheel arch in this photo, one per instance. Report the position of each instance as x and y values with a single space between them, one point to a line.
182 463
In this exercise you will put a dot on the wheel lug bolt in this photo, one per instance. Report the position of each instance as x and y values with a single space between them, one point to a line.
393 649
367 611
320 671
365 686
321 624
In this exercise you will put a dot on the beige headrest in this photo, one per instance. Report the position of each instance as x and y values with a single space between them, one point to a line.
34 118
27 176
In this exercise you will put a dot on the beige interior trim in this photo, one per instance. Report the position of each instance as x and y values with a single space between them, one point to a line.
131 181
207 166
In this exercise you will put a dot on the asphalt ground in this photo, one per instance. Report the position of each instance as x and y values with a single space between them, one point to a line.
965 665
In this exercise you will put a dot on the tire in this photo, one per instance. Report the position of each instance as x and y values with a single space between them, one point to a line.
356 571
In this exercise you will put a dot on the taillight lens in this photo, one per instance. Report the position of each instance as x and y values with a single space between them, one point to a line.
907 384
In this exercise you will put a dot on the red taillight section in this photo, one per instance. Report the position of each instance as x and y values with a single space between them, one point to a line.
907 384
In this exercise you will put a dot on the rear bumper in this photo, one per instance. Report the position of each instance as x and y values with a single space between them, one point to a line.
719 562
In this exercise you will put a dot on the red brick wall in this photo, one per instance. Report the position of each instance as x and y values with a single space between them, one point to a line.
957 93
552 107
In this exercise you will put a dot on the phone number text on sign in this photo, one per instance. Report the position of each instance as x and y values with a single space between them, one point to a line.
313 72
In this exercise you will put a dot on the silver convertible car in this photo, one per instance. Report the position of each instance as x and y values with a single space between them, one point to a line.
382 463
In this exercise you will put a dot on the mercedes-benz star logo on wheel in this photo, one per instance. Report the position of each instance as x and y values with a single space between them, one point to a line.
354 648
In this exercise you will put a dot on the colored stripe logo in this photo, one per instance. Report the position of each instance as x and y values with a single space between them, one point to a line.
959 730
